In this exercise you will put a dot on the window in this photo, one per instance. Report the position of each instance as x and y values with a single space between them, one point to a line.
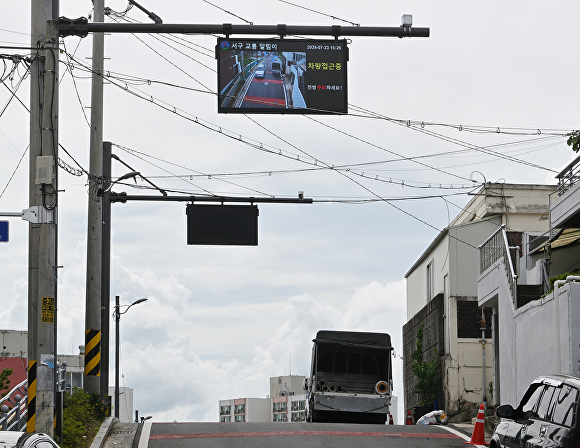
564 412
530 401
280 407
543 407
430 281
469 320
240 418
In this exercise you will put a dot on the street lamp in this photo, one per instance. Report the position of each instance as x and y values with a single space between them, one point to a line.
117 317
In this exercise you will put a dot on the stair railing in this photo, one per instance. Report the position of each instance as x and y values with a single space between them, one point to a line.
494 248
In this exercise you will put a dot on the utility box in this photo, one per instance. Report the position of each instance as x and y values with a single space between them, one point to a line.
44 170
226 225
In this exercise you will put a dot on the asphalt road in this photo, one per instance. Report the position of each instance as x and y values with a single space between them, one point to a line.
304 435
268 90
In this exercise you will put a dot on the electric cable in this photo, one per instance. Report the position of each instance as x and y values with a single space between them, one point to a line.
139 155
15 169
230 13
321 13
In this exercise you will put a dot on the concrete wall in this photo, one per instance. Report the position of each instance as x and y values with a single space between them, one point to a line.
566 207
464 258
515 199
541 337
125 403
462 366
286 384
258 410
13 344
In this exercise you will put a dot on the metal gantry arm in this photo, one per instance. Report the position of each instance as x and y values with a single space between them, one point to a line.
81 27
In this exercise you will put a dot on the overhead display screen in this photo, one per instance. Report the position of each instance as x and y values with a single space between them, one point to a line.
282 76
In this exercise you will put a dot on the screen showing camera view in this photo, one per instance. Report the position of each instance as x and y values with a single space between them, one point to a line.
282 76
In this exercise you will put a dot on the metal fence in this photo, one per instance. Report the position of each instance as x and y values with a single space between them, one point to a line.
569 176
494 248
13 418
14 405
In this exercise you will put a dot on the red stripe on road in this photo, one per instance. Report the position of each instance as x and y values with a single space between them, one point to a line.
265 101
269 81
213 435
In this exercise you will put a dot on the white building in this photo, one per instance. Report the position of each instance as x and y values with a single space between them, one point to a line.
442 290
245 410
535 334
286 403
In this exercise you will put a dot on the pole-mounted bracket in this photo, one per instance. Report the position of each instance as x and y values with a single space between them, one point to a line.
78 27
39 215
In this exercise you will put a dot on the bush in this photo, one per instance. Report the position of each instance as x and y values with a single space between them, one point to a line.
561 277
83 414
426 373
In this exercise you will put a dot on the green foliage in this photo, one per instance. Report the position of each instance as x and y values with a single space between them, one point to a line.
83 415
426 373
574 141
5 381
490 390
562 277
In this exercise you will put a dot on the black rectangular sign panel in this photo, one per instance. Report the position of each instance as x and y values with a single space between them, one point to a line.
280 76
234 225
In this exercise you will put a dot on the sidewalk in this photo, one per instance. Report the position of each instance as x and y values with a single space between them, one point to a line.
122 435
114 434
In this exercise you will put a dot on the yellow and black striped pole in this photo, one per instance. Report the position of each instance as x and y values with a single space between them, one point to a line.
93 353
31 412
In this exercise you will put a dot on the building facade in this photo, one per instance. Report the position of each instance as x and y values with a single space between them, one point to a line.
14 355
286 403
536 317
442 291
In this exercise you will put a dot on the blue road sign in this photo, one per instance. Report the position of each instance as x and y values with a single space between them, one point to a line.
3 231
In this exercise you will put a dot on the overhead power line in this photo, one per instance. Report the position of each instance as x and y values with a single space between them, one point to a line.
319 12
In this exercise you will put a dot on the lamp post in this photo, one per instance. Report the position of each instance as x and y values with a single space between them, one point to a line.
117 317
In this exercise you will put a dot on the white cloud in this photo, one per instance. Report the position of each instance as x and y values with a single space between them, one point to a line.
176 356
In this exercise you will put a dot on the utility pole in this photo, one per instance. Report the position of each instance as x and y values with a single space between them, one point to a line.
43 187
106 273
93 346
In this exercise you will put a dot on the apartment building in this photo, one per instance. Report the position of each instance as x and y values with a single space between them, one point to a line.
286 403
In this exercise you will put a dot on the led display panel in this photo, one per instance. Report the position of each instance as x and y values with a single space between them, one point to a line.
227 225
282 76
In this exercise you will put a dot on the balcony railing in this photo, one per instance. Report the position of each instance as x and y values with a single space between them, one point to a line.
569 176
494 248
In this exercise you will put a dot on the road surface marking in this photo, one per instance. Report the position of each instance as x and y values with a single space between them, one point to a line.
459 434
299 433
264 100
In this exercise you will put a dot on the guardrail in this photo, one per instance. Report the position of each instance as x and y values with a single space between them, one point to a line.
494 248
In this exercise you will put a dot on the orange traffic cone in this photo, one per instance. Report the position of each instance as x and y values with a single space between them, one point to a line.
409 418
391 419
478 436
